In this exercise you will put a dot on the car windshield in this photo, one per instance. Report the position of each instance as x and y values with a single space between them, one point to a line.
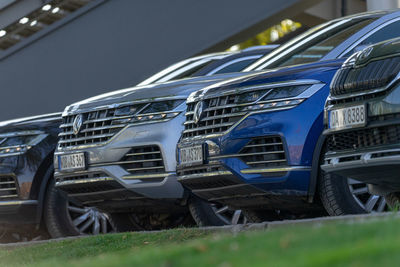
183 69
314 44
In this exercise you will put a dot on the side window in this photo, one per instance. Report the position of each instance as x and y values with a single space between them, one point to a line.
316 49
236 66
388 32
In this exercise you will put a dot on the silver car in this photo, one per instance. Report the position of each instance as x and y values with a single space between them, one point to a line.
116 152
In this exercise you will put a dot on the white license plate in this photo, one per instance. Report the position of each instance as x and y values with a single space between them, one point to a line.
192 155
354 116
72 162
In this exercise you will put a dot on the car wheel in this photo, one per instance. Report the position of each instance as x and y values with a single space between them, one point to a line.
210 214
341 196
65 218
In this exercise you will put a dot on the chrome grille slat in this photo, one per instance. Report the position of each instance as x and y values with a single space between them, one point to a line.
238 114
105 119
143 160
264 152
10 182
143 153
208 127
220 114
93 129
8 187
272 144
226 106
9 196
85 138
265 161
97 128
66 125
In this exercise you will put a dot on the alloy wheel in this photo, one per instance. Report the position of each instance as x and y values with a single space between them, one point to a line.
90 220
369 202
229 216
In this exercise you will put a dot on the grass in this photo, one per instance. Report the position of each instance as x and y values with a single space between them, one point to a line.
334 244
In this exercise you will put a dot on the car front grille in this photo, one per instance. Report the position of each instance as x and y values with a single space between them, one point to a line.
8 188
219 114
98 127
143 160
364 138
375 74
264 152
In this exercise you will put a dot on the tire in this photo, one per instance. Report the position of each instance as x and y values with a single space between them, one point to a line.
205 214
56 218
336 196
393 200
65 218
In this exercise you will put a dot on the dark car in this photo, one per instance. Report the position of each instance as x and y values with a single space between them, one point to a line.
29 205
362 121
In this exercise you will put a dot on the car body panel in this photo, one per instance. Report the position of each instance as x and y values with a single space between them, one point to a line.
28 170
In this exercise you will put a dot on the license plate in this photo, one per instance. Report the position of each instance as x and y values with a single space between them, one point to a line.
354 116
192 155
72 162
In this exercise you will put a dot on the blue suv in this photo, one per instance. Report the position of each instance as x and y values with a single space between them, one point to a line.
250 145
254 143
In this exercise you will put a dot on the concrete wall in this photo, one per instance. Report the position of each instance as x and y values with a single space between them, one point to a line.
120 42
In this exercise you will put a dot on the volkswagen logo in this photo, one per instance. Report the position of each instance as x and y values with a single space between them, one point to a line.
198 111
365 53
77 124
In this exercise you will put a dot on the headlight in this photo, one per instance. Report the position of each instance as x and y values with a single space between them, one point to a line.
17 143
283 97
150 112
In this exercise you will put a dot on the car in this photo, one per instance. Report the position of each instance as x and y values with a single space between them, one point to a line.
116 151
27 194
284 178
33 208
210 64
362 121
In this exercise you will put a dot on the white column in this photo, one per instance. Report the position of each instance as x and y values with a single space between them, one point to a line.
382 4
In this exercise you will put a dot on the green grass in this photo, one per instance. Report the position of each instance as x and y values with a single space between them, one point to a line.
334 244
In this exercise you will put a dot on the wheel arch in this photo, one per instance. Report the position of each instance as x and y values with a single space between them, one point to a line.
42 178
316 159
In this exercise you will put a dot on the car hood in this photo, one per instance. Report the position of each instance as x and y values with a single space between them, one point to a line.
311 71
380 50
46 122
179 88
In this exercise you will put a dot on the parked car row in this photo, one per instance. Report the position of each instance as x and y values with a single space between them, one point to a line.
219 139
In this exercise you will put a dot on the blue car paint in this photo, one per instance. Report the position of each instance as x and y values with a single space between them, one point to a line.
299 135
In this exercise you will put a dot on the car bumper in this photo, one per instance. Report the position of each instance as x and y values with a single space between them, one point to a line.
370 153
108 170
18 212
243 184
379 166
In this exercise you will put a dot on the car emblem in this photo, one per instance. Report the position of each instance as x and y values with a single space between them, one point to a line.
198 111
365 53
77 124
